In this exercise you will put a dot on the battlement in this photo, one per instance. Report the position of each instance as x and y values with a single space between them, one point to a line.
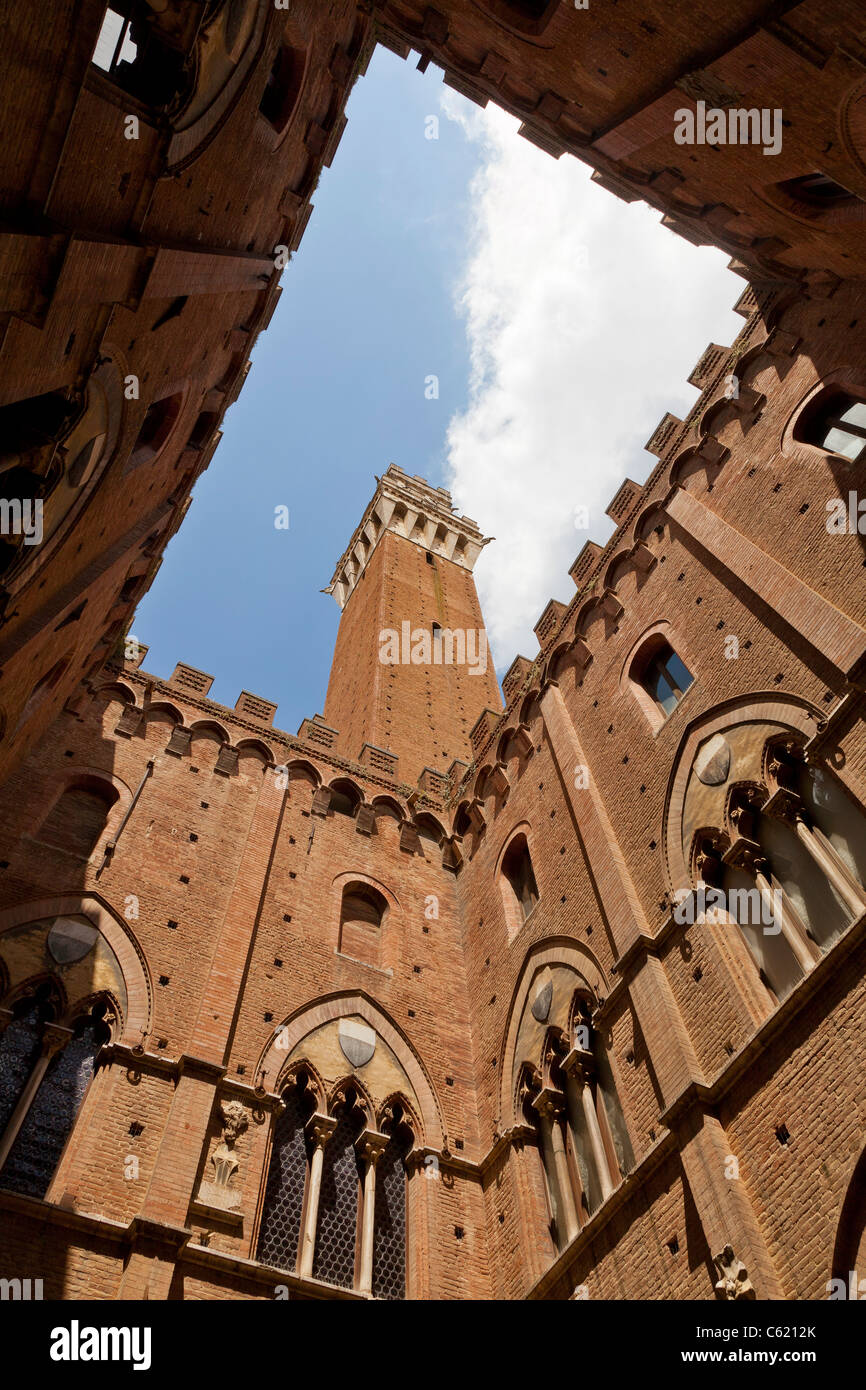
411 508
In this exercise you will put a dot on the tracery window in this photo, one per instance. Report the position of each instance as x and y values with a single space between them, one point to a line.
45 1070
790 864
335 1199
569 1097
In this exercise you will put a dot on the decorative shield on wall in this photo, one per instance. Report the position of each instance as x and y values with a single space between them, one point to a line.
542 997
713 761
70 940
357 1041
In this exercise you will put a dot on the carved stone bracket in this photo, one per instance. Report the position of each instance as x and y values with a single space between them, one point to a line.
734 1282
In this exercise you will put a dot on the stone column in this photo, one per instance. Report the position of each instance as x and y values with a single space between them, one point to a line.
804 948
550 1105
830 865
54 1038
320 1127
578 1067
370 1145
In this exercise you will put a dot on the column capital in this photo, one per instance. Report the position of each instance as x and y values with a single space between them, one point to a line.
579 1065
55 1037
370 1145
320 1128
549 1103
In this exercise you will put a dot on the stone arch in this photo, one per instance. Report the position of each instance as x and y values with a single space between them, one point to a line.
219 84
552 951
333 1007
137 1020
255 747
300 770
86 778
787 713
163 709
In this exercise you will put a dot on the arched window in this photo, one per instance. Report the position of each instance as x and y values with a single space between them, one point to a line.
571 1101
790 866
283 87
835 421
138 55
325 1171
159 420
335 1259
818 191
58 1072
41 691
661 675
518 875
362 914
389 1224
530 16
78 817
287 1175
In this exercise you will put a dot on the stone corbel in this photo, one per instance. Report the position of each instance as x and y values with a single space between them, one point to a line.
409 839
734 1283
365 821
611 606
179 743
499 780
642 558
523 739
475 812
452 854
227 761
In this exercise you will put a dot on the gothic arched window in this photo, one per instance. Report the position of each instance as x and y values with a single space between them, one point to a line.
335 1199
336 1243
43 1115
389 1225
284 1195
571 1101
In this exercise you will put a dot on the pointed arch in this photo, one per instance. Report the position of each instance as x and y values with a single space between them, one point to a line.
309 1017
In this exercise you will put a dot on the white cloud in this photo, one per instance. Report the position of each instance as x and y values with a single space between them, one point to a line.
584 318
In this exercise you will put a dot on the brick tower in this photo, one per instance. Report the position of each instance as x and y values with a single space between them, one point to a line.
412 671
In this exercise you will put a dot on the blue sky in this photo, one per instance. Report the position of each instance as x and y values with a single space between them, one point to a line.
335 393
561 322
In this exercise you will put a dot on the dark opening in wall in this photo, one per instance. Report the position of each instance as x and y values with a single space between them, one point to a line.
283 87
137 54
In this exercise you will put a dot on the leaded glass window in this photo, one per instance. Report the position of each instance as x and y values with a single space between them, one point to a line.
334 1259
389 1233
284 1194
20 1046
39 1143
